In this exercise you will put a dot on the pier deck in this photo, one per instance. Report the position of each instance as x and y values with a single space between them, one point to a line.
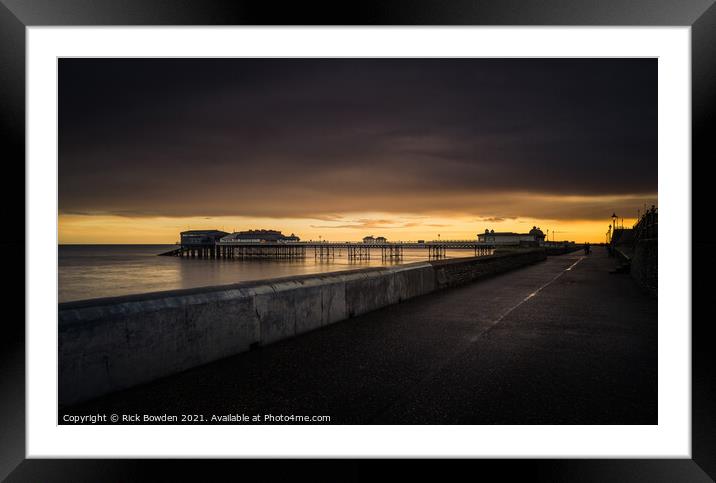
560 342
354 250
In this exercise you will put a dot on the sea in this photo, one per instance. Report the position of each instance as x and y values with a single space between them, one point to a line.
95 271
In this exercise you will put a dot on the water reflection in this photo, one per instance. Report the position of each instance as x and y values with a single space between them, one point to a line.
91 271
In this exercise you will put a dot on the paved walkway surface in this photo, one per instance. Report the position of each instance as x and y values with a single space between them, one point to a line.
559 342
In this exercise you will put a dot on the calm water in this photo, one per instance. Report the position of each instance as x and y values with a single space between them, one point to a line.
91 271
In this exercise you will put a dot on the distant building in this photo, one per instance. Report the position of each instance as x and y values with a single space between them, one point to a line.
260 236
201 237
372 239
534 236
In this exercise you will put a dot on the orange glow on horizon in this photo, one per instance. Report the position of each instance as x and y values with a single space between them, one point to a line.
109 229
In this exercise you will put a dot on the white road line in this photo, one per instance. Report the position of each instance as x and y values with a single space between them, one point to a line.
539 289
436 369
572 265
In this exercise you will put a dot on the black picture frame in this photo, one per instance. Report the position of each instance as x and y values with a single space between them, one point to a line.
16 15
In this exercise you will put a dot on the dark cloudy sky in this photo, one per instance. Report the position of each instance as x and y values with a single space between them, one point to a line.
328 139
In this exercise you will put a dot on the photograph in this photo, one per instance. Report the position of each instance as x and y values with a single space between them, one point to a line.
357 240
337 243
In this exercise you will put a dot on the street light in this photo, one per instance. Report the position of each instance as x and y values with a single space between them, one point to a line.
614 220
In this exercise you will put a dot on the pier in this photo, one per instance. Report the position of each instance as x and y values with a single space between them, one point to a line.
219 249
272 244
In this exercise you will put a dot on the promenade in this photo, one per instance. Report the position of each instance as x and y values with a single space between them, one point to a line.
559 342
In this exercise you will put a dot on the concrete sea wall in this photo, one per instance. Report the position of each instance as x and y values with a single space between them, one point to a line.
110 344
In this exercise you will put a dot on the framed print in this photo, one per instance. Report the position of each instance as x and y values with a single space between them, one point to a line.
411 231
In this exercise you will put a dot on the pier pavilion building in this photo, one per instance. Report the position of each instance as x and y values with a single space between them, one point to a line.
201 238
534 236
260 236
373 239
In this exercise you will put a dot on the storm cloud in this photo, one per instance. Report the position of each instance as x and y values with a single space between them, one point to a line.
499 138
